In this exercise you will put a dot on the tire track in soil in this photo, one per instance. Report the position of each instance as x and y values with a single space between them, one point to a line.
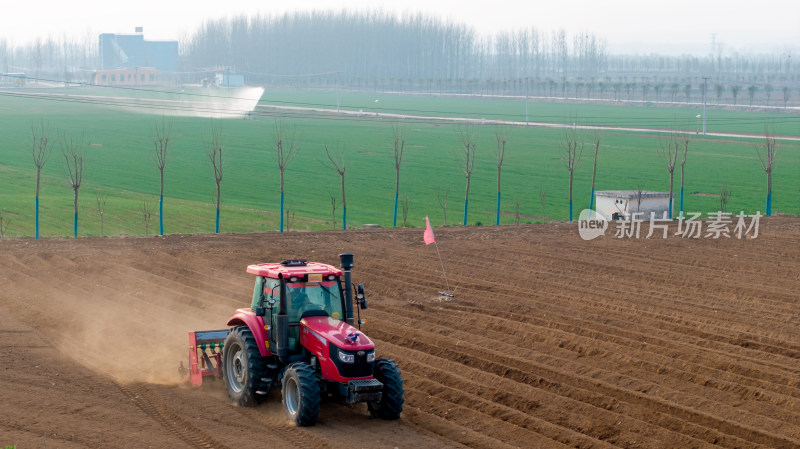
297 436
648 368
165 415
682 328
550 401
602 403
585 341
528 372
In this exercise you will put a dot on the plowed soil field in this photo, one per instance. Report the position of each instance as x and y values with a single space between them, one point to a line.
550 341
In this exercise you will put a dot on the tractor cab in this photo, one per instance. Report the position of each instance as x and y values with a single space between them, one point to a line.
292 290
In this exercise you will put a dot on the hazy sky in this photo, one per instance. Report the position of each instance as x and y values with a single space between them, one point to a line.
672 26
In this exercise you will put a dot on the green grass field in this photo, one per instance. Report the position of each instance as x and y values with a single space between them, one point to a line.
646 115
120 164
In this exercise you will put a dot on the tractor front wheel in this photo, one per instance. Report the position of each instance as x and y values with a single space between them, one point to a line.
301 395
243 367
391 404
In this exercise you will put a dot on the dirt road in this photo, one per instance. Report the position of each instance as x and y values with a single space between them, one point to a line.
551 341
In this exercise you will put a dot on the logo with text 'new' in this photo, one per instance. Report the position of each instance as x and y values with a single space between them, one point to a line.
591 224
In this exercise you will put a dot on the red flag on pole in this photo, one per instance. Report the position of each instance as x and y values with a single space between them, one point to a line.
428 232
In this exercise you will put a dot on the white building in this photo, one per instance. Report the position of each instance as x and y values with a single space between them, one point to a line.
621 204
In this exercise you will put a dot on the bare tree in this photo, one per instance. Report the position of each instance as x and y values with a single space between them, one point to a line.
639 197
668 151
673 90
286 148
785 90
333 209
72 150
572 149
768 90
685 139
542 200
735 92
443 204
4 222
289 218
40 150
467 138
215 150
399 147
516 213
405 212
719 89
161 144
336 162
502 139
724 194
766 154
147 212
594 166
751 92
101 208
658 87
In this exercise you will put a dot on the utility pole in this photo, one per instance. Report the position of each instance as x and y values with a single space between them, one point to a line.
705 91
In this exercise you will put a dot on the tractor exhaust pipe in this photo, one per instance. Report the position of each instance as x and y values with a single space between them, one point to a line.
346 260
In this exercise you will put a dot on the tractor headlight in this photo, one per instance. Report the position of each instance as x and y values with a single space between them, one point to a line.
371 357
346 357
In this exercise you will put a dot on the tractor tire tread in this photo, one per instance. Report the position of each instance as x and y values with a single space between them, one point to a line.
391 404
309 391
256 368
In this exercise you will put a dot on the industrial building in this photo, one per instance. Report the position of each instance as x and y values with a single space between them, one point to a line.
139 76
132 50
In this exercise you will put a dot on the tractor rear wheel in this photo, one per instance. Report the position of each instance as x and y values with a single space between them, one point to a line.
391 404
243 367
301 395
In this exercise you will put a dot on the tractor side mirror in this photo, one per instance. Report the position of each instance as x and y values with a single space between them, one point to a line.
360 298
261 311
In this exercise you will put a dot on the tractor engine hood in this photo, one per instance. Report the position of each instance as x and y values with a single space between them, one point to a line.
337 332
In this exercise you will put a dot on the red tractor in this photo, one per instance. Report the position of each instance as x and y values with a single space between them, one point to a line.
298 335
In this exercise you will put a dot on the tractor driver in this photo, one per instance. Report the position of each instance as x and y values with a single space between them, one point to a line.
299 301
302 303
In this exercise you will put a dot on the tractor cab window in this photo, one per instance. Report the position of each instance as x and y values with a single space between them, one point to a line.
272 291
257 292
313 299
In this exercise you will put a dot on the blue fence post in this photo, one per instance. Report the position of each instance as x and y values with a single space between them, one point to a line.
769 203
75 233
216 228
465 212
591 199
394 220
681 215
37 218
281 212
497 220
161 215
344 218
670 206
570 210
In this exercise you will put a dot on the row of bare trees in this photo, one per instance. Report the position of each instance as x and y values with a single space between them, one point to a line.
73 152
669 149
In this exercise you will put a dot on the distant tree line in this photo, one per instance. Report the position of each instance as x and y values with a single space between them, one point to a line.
419 53
348 46
343 47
